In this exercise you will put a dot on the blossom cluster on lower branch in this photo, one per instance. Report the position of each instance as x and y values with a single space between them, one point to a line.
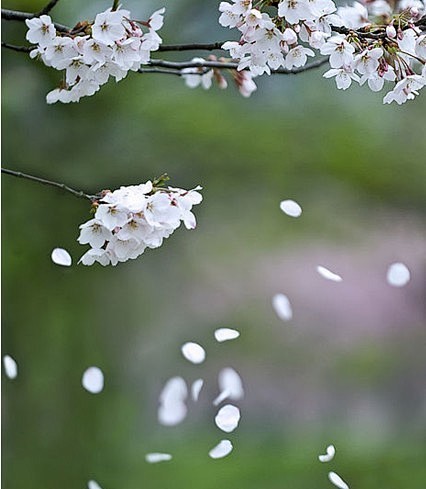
91 53
204 77
367 42
133 218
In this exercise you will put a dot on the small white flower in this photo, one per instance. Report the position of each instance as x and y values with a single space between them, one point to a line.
41 30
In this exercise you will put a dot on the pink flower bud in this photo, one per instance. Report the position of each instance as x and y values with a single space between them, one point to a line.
289 36
391 31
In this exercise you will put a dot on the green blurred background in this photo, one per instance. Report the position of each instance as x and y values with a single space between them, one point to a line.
349 369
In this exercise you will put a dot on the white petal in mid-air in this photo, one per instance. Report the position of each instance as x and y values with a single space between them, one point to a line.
291 208
193 352
93 380
93 485
10 367
329 455
226 334
196 387
61 257
172 408
398 275
230 385
227 418
337 480
153 458
221 450
328 274
282 307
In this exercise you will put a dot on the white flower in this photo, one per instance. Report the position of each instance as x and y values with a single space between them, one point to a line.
94 233
41 30
109 27
367 62
294 10
340 51
60 52
156 20
344 77
404 90
297 57
111 216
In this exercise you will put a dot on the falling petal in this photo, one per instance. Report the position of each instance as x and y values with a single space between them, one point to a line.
226 334
230 385
171 414
398 275
174 390
330 452
172 408
10 367
61 257
193 352
337 480
328 274
291 208
282 307
153 458
93 485
93 380
227 418
196 387
221 450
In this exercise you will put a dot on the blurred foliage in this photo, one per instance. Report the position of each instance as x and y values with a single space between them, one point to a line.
358 168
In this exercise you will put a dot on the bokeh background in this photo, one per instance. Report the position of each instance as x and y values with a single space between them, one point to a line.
349 369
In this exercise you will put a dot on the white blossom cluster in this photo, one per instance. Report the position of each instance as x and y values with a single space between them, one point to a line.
92 53
366 42
204 77
131 219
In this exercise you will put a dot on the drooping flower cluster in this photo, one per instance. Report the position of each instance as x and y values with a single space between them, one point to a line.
131 219
367 43
91 53
205 76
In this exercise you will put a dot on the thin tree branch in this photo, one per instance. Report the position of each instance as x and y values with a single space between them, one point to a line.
20 49
229 66
159 70
45 10
23 16
191 47
62 186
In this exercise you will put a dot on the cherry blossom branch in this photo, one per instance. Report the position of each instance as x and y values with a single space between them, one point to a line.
20 49
7 14
229 66
192 47
62 186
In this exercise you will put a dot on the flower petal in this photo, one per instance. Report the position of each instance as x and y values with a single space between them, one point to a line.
61 257
226 334
291 208
193 352
227 418
282 307
10 367
328 274
93 380
398 275
222 449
